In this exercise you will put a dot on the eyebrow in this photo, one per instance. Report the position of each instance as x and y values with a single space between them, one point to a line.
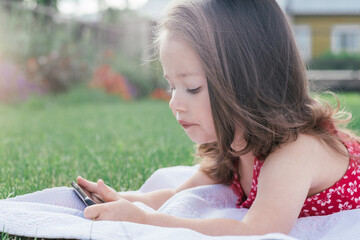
183 75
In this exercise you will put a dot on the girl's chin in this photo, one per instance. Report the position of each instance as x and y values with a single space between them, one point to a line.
202 141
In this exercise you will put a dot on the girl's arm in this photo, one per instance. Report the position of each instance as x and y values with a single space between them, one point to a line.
156 199
284 183
153 199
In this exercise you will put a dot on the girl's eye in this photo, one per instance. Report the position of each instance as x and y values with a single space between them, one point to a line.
194 90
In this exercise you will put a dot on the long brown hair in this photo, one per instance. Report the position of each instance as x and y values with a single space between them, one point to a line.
256 78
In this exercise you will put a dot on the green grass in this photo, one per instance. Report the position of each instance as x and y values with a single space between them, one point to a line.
349 102
48 141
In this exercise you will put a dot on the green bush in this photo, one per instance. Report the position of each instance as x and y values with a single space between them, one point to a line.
144 76
58 55
44 51
341 61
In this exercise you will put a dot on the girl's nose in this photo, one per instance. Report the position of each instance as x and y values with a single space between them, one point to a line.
176 103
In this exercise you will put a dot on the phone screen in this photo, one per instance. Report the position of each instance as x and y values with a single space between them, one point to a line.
82 195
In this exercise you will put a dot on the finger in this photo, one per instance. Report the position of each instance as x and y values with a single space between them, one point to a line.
97 198
93 212
87 185
107 193
94 196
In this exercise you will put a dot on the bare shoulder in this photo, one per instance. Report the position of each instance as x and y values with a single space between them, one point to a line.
306 156
303 150
304 145
310 154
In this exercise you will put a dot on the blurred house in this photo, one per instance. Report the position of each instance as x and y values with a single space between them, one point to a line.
320 25
325 25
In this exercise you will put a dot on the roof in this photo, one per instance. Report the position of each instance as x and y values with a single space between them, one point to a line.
323 7
154 8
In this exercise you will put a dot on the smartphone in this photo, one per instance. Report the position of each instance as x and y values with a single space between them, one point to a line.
82 195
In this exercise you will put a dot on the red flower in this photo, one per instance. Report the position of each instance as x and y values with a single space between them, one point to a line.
161 94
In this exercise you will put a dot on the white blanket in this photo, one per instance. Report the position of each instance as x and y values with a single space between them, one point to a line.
58 213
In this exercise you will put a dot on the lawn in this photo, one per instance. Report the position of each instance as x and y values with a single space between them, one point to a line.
47 142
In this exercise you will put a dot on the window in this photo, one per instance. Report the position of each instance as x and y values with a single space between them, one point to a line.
345 38
303 39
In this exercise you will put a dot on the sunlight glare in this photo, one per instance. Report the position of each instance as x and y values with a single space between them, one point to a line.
83 7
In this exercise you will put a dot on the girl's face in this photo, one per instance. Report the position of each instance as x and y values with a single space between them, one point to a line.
190 101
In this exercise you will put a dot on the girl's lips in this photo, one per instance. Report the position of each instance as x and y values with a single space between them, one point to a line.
185 124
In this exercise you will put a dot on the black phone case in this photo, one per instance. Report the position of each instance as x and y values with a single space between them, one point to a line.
82 195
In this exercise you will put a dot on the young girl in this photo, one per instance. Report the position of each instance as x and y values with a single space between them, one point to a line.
239 90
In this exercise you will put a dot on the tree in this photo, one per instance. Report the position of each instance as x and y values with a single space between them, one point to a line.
48 3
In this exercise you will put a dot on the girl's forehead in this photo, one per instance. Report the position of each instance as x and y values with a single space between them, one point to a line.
168 38
174 39
178 58
176 50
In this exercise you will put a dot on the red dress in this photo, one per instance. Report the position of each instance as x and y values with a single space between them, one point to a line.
343 195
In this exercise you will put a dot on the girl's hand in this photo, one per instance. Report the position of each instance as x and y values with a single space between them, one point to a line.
99 192
120 210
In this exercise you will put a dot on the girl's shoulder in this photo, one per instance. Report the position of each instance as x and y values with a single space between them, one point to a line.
305 147
309 147
303 154
325 165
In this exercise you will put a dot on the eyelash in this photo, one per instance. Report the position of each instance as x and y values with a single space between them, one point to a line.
191 91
